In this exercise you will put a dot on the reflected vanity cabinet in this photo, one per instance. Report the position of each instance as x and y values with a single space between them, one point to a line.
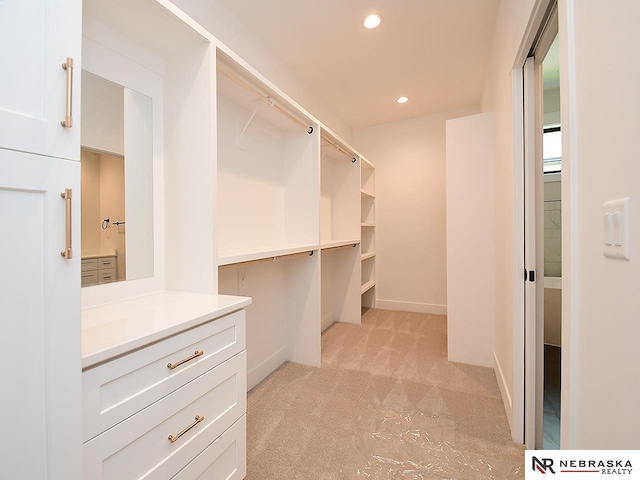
40 412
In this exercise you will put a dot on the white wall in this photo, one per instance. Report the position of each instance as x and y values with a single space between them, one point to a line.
601 386
470 240
102 114
409 156
512 23
229 29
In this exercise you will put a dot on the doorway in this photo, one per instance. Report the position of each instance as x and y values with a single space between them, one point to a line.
543 253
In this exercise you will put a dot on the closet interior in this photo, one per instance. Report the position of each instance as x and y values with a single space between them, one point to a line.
289 212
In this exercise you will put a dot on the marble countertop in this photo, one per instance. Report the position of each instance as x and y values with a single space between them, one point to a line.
112 330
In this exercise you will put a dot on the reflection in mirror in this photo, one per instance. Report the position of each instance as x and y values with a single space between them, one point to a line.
117 186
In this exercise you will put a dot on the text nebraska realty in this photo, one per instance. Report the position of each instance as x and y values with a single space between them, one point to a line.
606 467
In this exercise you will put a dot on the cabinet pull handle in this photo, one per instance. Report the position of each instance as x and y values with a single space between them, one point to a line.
173 439
67 252
68 119
196 354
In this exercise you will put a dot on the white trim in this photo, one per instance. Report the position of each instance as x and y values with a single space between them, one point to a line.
517 420
570 243
434 309
266 368
327 321
504 390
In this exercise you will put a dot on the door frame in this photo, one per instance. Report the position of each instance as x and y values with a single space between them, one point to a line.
524 371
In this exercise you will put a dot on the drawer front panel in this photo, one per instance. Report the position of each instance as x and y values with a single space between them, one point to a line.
89 264
107 275
89 278
226 458
106 262
139 447
118 389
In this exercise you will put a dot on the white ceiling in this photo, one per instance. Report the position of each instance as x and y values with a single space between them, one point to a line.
433 51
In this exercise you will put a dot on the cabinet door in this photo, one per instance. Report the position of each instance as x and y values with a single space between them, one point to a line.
36 37
40 408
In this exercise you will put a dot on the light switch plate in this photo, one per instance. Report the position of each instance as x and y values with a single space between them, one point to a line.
615 223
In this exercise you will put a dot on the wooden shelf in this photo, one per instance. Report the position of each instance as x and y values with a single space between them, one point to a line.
367 286
249 255
364 194
339 243
368 255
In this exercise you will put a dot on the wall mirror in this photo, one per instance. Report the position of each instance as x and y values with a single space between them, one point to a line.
116 182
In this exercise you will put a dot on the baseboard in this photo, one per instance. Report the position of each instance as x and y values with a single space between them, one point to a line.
265 368
411 307
327 321
504 391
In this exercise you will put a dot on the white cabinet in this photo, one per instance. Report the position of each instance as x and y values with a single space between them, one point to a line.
40 311
165 376
39 289
36 38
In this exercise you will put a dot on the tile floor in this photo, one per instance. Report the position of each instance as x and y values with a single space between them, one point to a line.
551 415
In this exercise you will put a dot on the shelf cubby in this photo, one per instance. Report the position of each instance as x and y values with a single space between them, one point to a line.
267 169
340 284
339 198
283 321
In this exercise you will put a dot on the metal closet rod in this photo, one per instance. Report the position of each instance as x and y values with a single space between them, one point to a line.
350 245
264 98
340 149
263 260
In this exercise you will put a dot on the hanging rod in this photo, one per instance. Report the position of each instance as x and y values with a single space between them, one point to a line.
264 98
264 260
339 149
350 245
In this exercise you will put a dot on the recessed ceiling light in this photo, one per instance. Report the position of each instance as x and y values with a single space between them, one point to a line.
402 100
372 20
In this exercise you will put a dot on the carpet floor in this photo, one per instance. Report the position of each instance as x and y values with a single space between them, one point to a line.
386 404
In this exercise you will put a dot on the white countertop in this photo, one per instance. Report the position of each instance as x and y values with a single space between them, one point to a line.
98 252
118 328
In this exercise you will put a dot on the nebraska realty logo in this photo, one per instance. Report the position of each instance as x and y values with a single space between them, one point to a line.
582 463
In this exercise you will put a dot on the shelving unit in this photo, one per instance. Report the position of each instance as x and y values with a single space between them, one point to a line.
268 218
293 205
367 224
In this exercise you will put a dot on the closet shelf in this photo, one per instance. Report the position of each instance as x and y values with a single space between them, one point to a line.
339 243
367 286
368 224
364 194
368 255
230 258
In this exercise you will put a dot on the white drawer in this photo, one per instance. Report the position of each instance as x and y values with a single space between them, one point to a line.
107 275
106 262
139 447
225 458
89 277
89 264
115 390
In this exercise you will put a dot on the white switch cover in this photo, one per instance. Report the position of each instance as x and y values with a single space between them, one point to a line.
615 216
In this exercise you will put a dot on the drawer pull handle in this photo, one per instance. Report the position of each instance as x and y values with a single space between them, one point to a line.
196 354
68 251
173 439
68 118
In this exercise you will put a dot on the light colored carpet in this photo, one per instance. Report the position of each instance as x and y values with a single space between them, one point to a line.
386 404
